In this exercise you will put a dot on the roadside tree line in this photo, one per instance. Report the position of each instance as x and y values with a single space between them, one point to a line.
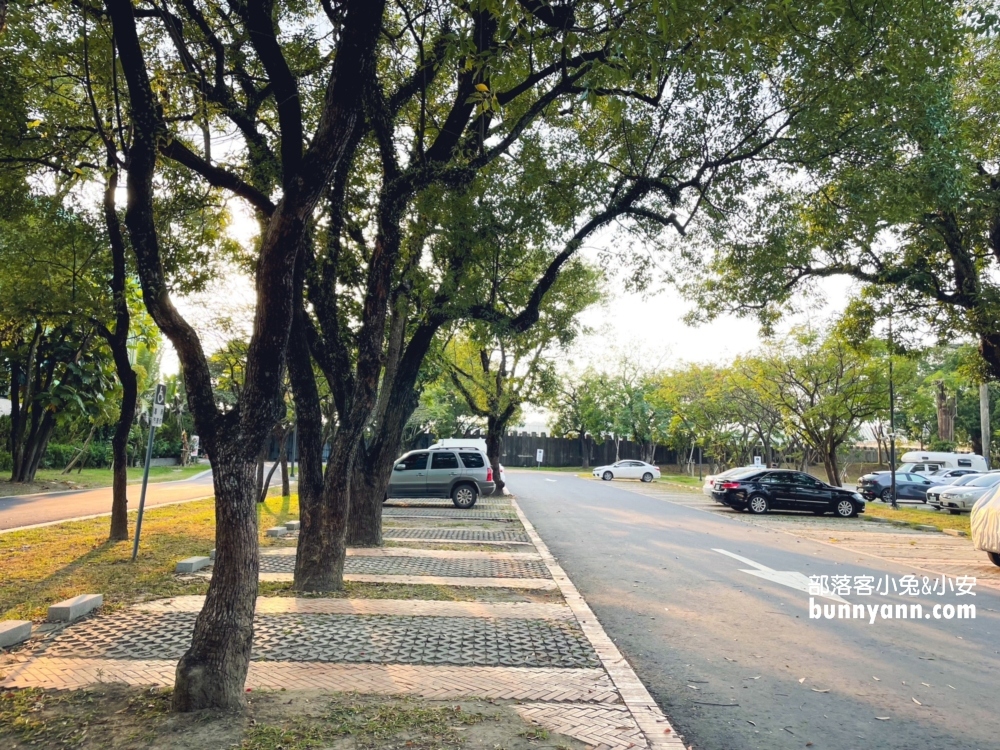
421 176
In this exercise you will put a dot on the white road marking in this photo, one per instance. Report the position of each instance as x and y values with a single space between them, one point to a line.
792 579
550 480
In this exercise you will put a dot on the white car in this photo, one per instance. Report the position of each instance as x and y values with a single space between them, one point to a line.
628 469
985 522
960 499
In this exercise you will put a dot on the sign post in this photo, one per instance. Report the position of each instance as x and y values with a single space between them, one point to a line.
156 420
540 456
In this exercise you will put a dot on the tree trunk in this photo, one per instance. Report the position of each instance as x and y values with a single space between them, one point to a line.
373 467
319 557
495 427
260 472
322 547
119 444
831 466
369 481
285 485
584 458
81 452
214 669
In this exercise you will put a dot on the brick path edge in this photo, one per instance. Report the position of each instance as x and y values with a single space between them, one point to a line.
654 724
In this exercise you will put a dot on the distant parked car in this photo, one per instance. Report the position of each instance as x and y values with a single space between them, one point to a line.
908 486
948 476
934 493
782 489
629 469
957 500
463 475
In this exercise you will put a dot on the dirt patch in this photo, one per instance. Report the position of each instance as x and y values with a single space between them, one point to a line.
359 590
127 718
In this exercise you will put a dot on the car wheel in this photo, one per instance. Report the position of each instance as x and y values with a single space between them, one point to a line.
845 509
464 496
607 476
994 558
886 495
757 505
647 477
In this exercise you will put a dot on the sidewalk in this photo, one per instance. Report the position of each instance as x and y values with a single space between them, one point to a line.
480 610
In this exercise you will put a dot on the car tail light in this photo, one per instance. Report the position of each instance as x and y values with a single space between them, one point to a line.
489 473
730 485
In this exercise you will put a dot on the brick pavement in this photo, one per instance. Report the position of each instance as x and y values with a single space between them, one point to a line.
606 708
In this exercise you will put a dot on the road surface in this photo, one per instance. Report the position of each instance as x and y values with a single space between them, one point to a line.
46 507
733 658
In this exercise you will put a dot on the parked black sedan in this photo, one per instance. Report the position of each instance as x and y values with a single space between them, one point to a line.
781 489
908 486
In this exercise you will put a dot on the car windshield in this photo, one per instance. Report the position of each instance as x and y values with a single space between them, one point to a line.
965 479
985 480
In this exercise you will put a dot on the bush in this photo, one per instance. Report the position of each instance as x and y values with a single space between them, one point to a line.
6 461
57 455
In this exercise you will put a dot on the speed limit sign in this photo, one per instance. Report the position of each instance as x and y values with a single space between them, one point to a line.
158 402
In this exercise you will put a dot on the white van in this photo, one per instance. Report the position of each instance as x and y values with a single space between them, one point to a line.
926 462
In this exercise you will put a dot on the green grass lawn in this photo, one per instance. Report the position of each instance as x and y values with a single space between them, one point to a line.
687 481
49 480
915 515
41 566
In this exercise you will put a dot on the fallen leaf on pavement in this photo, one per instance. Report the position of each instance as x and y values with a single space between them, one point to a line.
951 687
693 687
925 684
882 718
802 680
876 678
751 722
827 690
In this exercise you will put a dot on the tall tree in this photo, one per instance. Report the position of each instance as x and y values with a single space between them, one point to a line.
213 670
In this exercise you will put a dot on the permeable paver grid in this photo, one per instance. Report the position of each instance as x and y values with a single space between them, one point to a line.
422 566
465 535
538 654
341 638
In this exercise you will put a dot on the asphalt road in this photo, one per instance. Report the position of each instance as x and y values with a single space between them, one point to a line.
699 631
46 507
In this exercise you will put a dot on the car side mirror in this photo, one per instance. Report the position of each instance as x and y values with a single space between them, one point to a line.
399 467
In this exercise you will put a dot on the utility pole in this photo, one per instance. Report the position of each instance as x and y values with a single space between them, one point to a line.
984 421
892 423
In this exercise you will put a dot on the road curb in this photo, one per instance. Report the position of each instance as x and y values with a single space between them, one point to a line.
650 719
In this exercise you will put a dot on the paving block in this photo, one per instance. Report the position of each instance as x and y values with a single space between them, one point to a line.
955 532
212 554
13 632
277 531
925 527
193 564
292 525
75 608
